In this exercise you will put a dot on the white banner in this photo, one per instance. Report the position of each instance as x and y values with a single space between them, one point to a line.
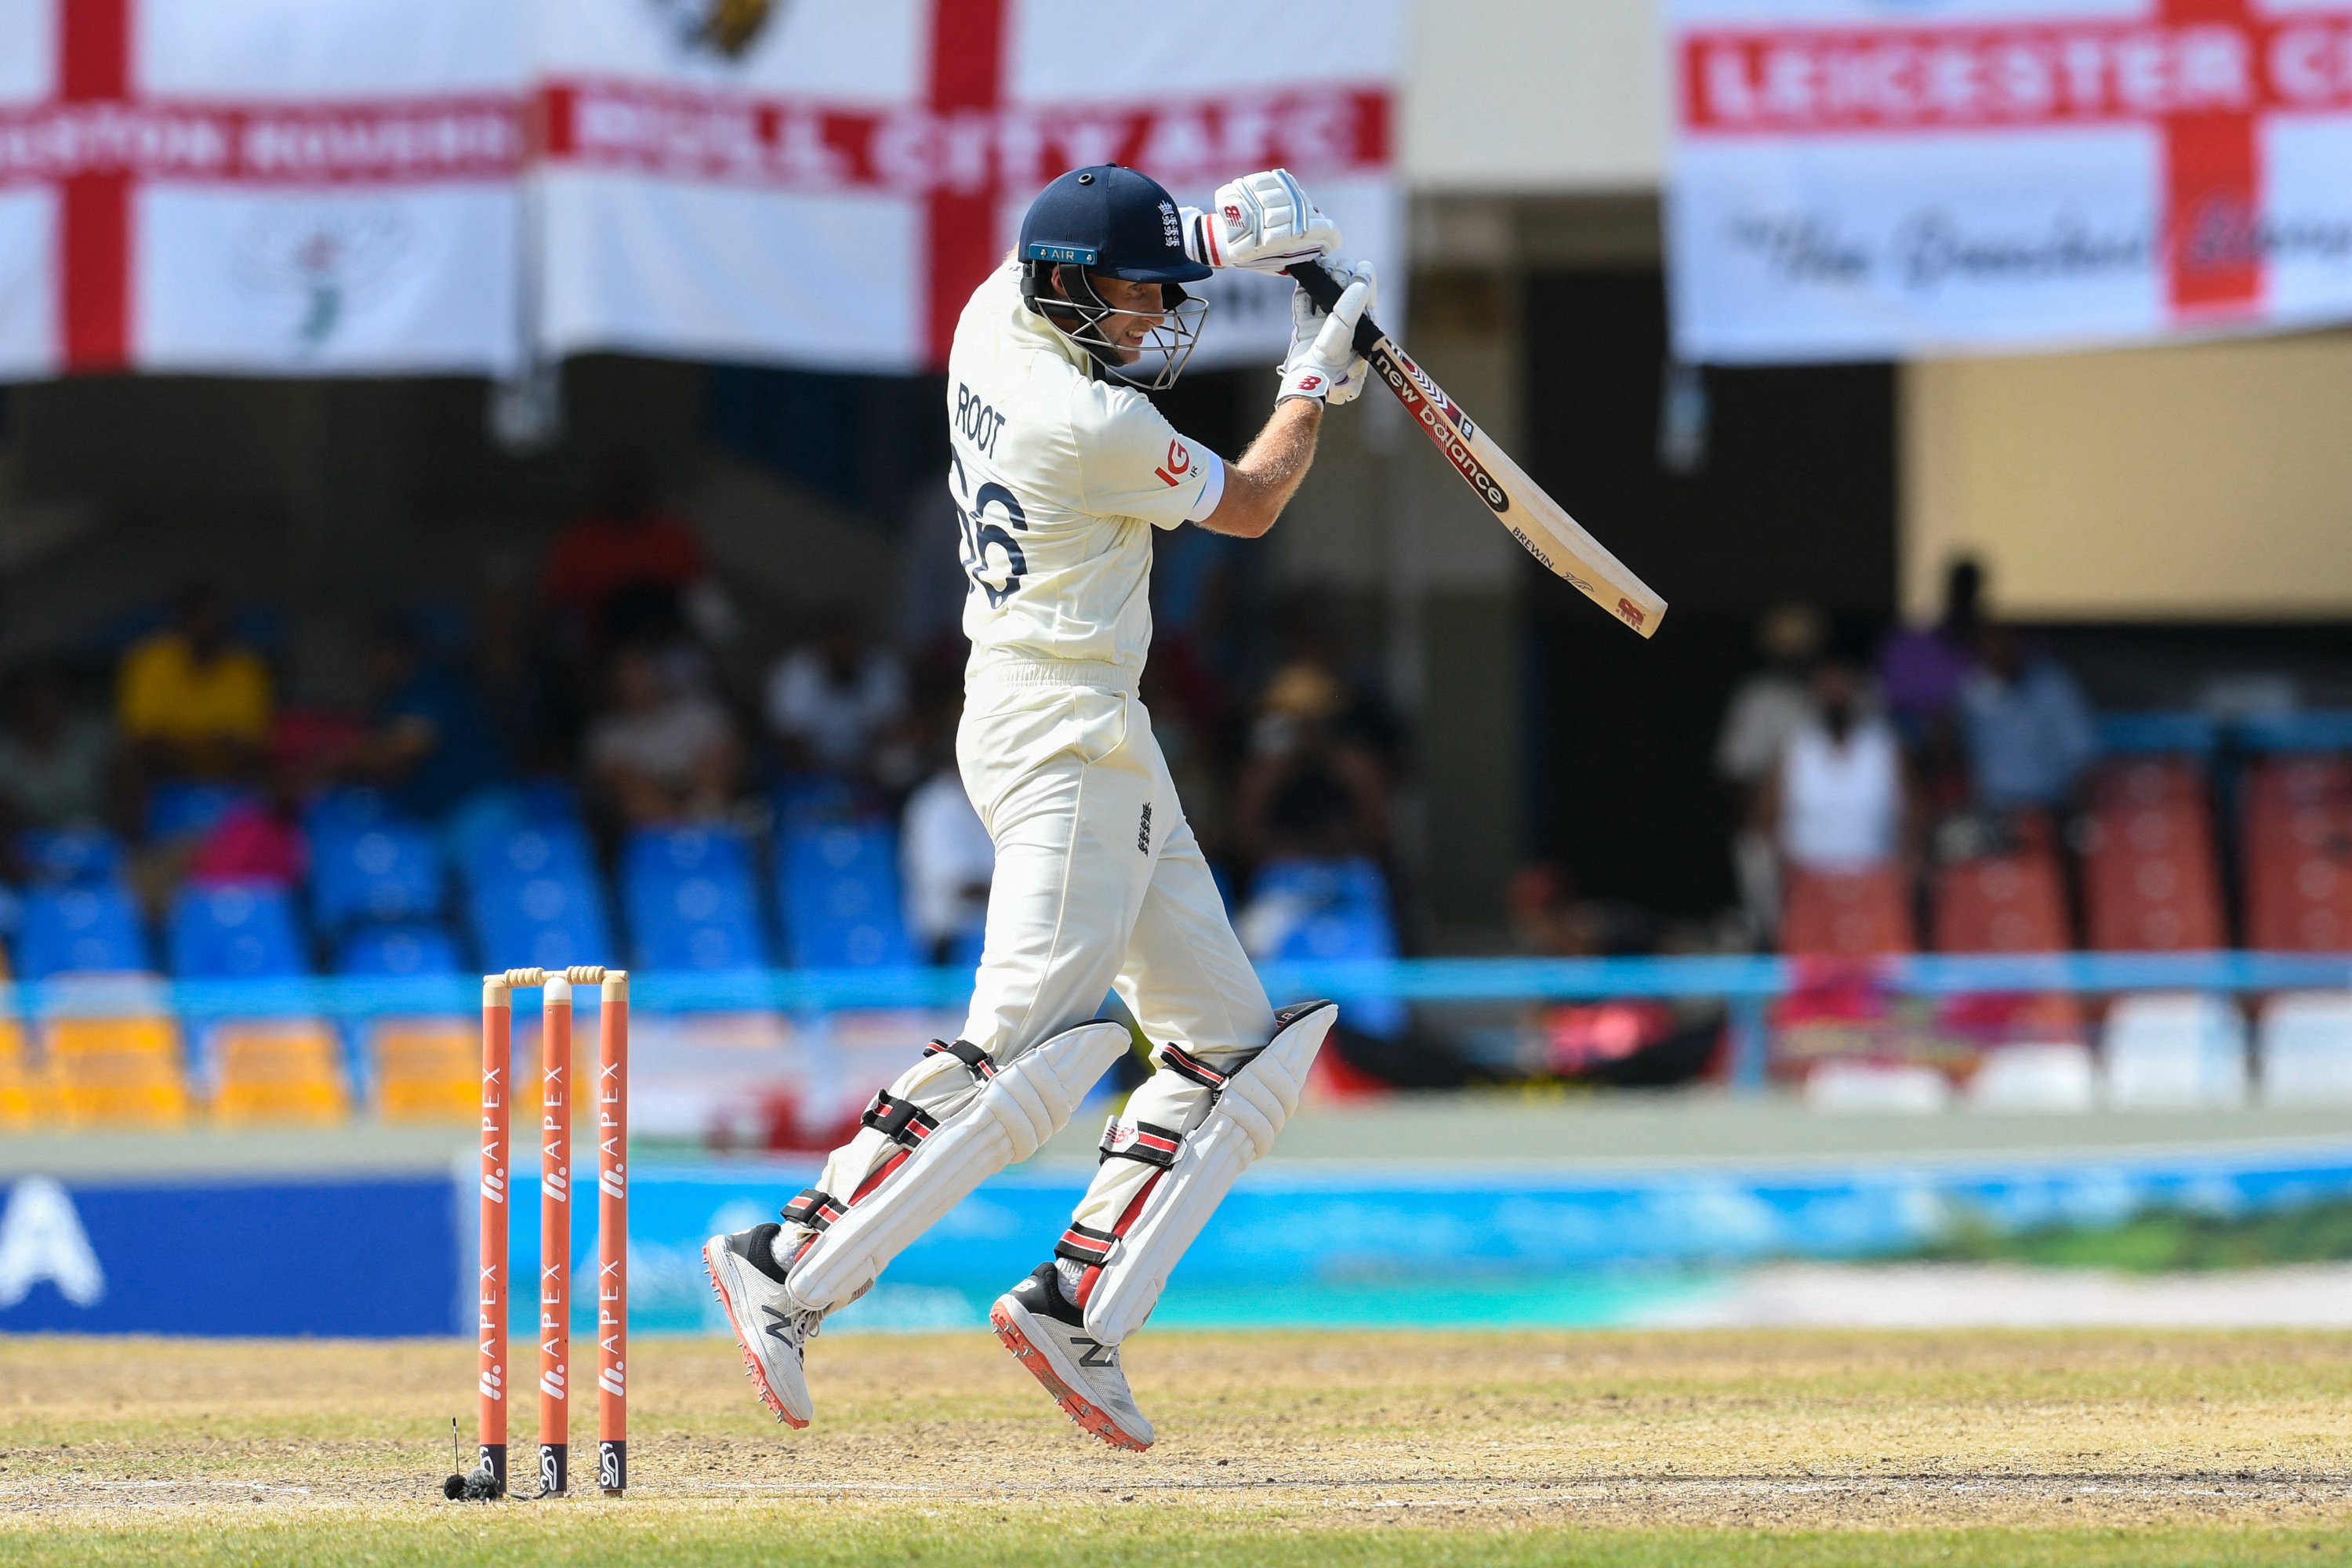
271 186
1867 179
824 184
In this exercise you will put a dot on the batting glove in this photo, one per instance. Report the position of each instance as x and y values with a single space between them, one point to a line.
1323 363
1264 222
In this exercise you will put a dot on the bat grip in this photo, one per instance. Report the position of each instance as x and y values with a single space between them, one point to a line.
1325 290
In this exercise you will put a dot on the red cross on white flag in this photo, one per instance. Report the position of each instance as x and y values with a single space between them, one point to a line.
825 184
1869 178
268 185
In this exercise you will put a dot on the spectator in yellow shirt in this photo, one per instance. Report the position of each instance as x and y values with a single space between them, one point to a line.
190 702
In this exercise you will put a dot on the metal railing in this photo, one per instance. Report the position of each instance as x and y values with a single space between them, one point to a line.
1747 986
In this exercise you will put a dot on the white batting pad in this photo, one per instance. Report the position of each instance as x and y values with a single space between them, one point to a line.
1028 1100
1250 1111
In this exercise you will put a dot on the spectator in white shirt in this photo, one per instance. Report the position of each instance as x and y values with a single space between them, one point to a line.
1767 707
832 701
1839 801
660 754
945 858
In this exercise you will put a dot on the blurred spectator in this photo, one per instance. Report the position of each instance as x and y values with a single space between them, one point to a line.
526 707
56 765
831 702
945 855
660 754
1307 789
257 840
1922 668
2030 733
429 744
615 569
1838 800
1767 708
191 703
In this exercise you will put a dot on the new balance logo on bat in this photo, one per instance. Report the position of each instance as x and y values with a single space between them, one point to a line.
1405 379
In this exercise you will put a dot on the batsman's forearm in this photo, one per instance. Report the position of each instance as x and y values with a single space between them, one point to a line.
1261 481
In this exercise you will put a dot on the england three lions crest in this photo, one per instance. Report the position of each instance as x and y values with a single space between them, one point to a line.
725 27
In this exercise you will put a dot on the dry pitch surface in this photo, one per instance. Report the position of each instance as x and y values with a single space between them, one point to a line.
1712 1448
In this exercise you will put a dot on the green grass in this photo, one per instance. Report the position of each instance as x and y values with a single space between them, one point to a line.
1621 1451
2160 1242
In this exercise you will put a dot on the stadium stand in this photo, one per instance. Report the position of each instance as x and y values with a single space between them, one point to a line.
71 855
279 1070
426 1069
690 900
235 931
837 897
81 930
2012 902
536 899
1327 912
2298 853
2305 1046
1845 914
391 871
398 951
114 1058
188 808
2150 879
2175 1052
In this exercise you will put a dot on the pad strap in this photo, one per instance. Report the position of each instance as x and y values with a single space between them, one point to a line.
1140 1140
1185 1065
900 1120
814 1208
1084 1243
981 1065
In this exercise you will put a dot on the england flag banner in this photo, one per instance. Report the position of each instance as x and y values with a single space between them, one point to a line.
824 184
262 186
1863 179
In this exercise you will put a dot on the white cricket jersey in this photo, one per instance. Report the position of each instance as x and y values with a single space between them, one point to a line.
1058 479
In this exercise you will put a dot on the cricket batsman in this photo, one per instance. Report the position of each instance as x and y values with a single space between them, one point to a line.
1060 468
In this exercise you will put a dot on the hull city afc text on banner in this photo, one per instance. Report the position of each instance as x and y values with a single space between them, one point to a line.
825 184
1866 179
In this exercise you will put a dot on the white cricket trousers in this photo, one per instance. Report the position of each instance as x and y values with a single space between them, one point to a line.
1099 886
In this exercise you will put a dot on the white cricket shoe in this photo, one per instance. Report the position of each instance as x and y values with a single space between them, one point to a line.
1048 1335
767 1325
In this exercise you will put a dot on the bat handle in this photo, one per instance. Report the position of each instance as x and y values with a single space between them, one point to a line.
1325 290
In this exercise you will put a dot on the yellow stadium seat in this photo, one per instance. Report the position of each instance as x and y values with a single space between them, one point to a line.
428 1069
22 1102
117 1070
280 1071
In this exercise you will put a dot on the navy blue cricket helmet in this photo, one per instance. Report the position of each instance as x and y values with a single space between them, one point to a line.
1111 221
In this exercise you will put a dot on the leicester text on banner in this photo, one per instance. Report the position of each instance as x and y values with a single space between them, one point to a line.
1868 179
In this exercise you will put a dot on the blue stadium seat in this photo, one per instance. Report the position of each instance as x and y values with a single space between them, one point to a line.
235 931
398 950
2158 734
812 800
538 849
690 900
549 920
390 873
186 808
1342 915
488 814
81 856
343 812
838 892
75 928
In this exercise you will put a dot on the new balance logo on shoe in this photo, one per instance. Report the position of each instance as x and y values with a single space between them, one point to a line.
781 1325
1097 1354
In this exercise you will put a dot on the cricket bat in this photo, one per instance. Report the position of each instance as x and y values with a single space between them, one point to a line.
1538 523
